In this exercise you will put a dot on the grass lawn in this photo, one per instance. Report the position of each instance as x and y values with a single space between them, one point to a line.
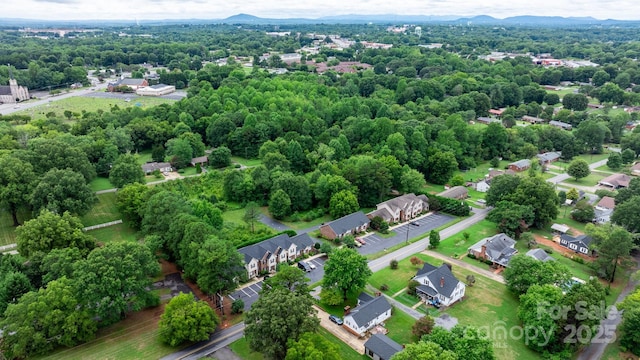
432 188
133 338
396 279
300 225
479 171
103 211
7 230
246 162
115 233
591 180
458 246
77 104
100 183
564 91
489 305
399 326
564 217
241 348
589 158
144 157
188 171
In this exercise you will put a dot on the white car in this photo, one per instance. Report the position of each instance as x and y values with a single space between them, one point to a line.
311 265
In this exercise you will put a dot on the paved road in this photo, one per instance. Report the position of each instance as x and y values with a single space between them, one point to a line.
420 245
596 348
272 223
219 339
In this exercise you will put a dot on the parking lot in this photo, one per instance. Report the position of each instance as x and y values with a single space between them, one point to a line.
249 294
376 243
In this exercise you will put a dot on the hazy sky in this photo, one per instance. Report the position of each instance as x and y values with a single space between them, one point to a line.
218 9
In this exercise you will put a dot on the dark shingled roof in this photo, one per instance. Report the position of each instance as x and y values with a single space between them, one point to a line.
348 222
436 275
383 346
282 241
580 240
370 310
540 255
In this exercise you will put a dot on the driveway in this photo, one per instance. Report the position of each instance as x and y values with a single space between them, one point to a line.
376 243
340 332
464 265
248 294
274 224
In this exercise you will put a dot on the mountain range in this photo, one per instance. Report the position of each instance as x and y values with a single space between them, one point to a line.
240 19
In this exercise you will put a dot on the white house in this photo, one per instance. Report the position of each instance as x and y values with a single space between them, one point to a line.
366 316
482 186
439 283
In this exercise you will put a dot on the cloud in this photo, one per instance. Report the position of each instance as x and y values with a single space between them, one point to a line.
58 1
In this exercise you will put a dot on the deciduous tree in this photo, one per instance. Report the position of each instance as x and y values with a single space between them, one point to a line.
63 190
346 270
280 204
343 203
186 319
310 346
17 180
579 169
126 170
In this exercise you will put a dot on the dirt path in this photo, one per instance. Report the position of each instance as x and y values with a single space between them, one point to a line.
560 249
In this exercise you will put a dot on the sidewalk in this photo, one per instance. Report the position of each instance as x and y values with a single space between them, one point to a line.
337 330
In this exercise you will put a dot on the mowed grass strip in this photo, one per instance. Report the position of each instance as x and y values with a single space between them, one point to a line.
100 183
114 233
103 211
7 230
133 338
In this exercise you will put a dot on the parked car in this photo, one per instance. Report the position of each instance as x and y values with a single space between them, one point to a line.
357 243
304 266
361 241
335 319
311 265
415 223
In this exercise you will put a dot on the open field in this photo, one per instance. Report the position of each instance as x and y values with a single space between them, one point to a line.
103 211
78 104
457 245
246 162
100 183
136 337
591 180
115 233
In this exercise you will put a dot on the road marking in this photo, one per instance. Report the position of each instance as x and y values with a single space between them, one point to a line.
251 288
231 297
245 292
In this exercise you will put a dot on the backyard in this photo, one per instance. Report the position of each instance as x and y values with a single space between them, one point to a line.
103 211
114 233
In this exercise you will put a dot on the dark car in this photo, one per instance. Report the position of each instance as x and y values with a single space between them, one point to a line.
335 319
304 266
414 223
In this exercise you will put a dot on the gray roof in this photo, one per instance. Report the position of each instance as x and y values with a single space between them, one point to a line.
383 346
560 124
455 192
274 246
499 248
436 275
580 240
549 156
522 163
348 222
427 290
153 166
160 86
199 159
364 297
5 90
540 255
365 313
130 81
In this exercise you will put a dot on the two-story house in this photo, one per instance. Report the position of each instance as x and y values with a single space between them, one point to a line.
439 283
401 208
266 255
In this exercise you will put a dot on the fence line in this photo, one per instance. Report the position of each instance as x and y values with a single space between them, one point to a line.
100 226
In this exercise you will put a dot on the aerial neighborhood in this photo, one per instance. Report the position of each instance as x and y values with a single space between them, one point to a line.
391 187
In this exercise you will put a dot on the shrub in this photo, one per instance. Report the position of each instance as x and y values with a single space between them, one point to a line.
471 256
326 248
237 306
393 264
411 287
384 287
578 259
415 261
423 326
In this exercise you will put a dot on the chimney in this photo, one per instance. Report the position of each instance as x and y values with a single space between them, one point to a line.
442 281
347 310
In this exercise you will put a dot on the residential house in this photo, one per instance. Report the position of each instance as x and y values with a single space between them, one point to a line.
401 208
635 169
603 210
150 167
540 255
381 347
560 228
579 244
496 112
347 225
439 283
520 165
134 84
560 124
266 255
456 192
615 181
533 119
368 315
202 160
548 157
487 120
498 249
156 90
485 184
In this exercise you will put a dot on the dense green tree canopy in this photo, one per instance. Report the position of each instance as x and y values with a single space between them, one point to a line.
346 270
186 319
63 190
